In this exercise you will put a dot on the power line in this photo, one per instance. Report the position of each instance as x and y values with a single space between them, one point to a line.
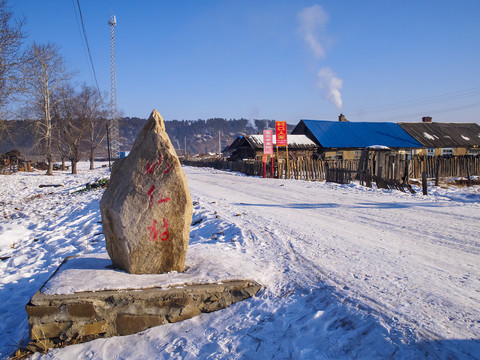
88 47
82 38
456 95
408 104
433 112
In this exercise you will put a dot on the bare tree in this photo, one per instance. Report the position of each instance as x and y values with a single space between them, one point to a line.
11 39
68 124
60 145
43 71
94 111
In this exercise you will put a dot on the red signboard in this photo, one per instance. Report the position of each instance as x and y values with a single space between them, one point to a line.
281 133
267 142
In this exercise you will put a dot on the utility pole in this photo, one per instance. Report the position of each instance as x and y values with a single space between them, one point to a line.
219 143
114 135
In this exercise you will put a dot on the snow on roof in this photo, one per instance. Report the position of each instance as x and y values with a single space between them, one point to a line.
444 135
428 136
378 147
294 141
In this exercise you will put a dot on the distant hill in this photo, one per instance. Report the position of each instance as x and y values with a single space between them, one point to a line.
198 136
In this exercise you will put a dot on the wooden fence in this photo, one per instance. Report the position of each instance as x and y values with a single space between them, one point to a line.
343 171
453 166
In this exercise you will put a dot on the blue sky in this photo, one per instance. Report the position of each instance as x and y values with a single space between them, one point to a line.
284 60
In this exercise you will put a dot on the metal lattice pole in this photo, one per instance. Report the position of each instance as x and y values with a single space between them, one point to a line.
114 135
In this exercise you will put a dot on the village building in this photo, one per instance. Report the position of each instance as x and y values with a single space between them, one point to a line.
445 139
251 147
344 140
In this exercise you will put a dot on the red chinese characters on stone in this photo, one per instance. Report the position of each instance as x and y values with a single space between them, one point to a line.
165 234
150 195
163 200
167 170
154 231
151 167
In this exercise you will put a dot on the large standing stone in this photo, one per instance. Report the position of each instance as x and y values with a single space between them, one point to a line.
147 209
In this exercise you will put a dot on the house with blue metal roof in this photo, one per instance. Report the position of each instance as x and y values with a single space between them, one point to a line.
345 140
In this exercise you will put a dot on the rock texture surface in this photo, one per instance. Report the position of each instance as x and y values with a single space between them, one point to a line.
147 209
57 320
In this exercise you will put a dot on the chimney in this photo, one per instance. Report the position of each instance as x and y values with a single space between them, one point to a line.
342 118
427 119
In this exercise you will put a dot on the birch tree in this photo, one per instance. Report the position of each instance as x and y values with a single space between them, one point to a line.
43 71
69 125
11 39
94 112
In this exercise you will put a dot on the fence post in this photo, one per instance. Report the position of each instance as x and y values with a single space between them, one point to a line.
424 183
437 171
468 172
368 178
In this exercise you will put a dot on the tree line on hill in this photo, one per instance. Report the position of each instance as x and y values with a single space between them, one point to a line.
191 137
195 136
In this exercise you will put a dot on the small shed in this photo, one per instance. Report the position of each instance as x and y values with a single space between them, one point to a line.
251 147
11 161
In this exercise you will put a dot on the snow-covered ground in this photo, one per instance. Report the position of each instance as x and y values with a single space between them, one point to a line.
349 272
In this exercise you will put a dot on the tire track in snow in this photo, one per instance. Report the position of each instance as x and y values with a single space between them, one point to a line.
342 242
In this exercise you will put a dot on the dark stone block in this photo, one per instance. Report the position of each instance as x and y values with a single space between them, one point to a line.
40 311
81 310
131 324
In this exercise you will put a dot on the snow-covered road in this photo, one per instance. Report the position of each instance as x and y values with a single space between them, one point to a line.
414 260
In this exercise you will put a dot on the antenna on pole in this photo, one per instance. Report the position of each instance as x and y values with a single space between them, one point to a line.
114 135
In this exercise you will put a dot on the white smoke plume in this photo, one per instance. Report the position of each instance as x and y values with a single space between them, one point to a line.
252 124
251 116
331 85
312 25
313 21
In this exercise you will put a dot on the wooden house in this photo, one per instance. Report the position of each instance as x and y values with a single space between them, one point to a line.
251 147
344 140
445 139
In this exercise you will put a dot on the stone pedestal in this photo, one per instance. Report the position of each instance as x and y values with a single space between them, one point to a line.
73 317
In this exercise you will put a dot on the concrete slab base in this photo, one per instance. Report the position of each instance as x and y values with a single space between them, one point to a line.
58 320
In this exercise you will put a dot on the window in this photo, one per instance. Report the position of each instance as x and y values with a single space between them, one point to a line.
431 152
339 155
447 151
357 154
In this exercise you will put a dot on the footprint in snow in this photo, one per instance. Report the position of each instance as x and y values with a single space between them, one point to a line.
234 327
211 334
87 355
176 346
